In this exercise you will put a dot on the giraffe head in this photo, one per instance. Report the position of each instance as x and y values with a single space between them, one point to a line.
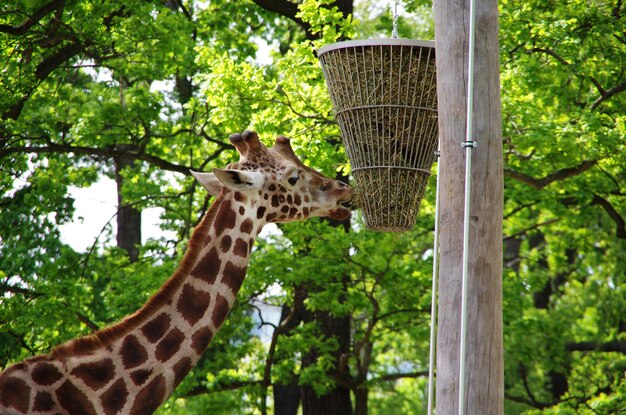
277 182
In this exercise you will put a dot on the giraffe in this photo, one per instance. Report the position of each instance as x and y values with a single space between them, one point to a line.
132 366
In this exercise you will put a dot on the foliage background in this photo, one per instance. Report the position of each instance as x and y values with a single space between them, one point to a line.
142 91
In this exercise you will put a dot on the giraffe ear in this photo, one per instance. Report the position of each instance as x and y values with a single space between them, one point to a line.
239 180
208 181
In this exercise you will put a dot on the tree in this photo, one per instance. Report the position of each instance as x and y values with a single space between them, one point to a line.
163 84
562 85
86 104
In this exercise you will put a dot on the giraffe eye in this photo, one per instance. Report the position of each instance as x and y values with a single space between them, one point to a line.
325 186
293 179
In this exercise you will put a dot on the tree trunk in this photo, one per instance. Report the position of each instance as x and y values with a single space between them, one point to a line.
287 396
360 400
128 217
337 401
484 380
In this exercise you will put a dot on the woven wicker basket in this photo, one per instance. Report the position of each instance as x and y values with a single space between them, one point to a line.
385 99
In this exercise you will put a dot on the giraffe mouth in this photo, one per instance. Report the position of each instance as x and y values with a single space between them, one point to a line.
343 210
340 214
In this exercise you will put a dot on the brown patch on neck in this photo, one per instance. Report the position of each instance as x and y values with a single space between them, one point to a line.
89 343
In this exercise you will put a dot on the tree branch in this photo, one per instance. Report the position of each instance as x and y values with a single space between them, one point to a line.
608 95
561 174
290 10
87 322
549 52
107 152
395 376
286 9
201 390
50 63
620 224
604 94
401 310
530 228
22 342
32 20
7 288
592 346
529 402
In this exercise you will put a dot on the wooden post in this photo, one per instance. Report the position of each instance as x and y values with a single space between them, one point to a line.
484 357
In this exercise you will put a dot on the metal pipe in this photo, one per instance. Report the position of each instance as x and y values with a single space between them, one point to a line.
433 300
469 145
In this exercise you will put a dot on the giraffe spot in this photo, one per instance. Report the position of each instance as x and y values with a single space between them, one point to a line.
281 198
266 196
220 310
297 200
207 240
156 328
14 393
181 368
193 303
242 210
233 276
247 226
260 212
169 345
150 397
226 242
289 199
306 199
293 212
271 187
305 211
275 202
241 248
46 374
240 197
96 374
271 217
140 376
18 367
284 209
201 339
132 352
114 399
207 268
73 400
43 402
226 218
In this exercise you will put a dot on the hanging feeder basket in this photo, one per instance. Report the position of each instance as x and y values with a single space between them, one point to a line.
384 94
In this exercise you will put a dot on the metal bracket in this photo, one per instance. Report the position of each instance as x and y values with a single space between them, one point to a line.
472 144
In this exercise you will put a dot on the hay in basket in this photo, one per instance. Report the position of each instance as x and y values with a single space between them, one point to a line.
385 98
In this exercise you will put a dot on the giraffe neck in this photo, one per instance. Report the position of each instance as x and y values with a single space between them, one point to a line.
134 366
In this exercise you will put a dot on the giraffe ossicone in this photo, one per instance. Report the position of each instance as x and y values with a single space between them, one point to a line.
132 366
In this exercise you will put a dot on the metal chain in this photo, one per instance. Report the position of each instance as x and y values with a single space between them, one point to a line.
394 30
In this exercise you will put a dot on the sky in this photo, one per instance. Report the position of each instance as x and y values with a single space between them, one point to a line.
95 207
